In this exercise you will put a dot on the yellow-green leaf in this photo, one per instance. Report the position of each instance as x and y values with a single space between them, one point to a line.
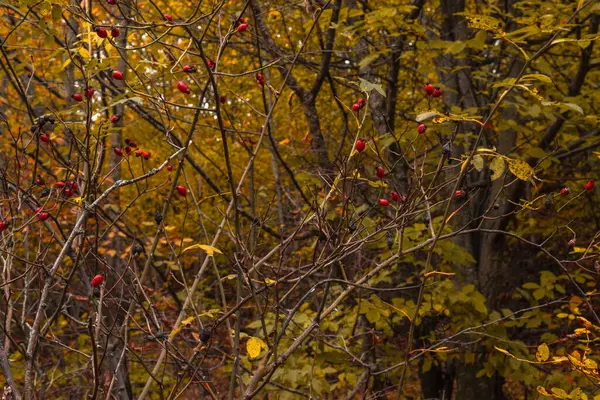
477 162
520 169
543 352
497 166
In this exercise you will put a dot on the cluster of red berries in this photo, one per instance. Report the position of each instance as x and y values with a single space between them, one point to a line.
42 215
393 196
588 186
129 144
88 92
68 188
241 24
103 33
431 91
356 107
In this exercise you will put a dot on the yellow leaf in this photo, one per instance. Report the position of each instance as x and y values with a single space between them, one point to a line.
543 352
210 250
78 200
184 323
520 169
285 141
477 162
254 346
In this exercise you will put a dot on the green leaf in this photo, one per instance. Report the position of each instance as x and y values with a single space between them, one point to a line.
539 77
368 86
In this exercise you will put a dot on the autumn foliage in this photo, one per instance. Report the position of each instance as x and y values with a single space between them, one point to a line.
285 200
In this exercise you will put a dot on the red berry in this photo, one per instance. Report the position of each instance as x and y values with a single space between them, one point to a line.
488 125
89 92
118 152
168 17
73 185
356 107
37 210
101 32
133 144
421 129
3 226
181 190
97 280
437 92
60 184
115 118
260 79
127 141
127 149
242 27
429 89
115 32
459 194
146 155
241 20
118 75
189 69
183 87
211 63
565 191
571 243
111 2
361 102
68 193
43 216
222 99
384 202
39 181
77 97
360 145
380 172
169 168
139 153
589 185
44 138
394 196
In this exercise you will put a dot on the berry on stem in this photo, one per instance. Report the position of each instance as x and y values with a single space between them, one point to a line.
77 97
97 280
242 27
421 129
380 172
168 17
459 194
111 2
115 118
429 89
356 107
118 151
89 92
169 168
260 79
437 92
360 145
181 190
60 184
189 69
115 32
222 99
211 63
394 196
3 226
183 87
43 216
565 191
44 138
101 32
384 202
118 75
589 185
